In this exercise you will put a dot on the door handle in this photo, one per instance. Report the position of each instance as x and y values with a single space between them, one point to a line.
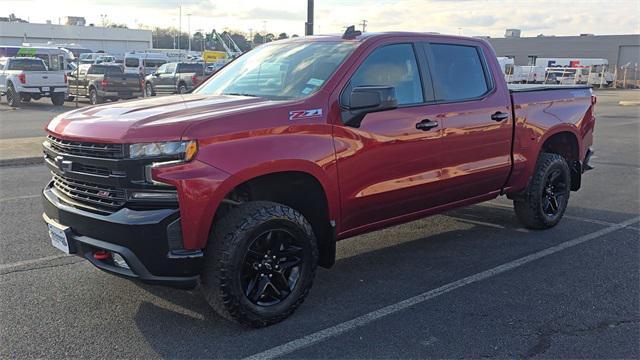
499 116
426 125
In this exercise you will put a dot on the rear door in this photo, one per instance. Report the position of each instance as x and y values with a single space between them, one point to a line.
388 167
167 78
474 109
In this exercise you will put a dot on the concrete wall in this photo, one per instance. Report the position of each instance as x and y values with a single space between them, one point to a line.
111 40
600 46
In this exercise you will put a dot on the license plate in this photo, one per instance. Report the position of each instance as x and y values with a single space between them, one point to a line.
45 88
58 238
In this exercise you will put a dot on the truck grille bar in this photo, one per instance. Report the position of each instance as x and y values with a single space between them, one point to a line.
90 193
111 151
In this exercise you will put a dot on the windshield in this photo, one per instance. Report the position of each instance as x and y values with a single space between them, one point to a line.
279 71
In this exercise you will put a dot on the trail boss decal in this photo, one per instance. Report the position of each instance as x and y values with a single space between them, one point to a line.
304 114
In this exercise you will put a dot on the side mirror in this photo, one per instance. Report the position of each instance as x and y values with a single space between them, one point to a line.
368 99
156 74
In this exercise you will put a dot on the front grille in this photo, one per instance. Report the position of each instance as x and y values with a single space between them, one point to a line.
89 193
111 151
94 170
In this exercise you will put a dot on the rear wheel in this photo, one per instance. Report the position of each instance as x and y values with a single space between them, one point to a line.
13 98
182 88
94 99
260 264
57 99
545 200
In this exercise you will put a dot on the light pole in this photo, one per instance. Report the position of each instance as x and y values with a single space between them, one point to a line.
189 30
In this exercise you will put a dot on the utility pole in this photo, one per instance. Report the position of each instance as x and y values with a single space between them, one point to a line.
179 27
308 26
189 29
364 25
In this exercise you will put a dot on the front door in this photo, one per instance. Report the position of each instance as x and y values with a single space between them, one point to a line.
389 166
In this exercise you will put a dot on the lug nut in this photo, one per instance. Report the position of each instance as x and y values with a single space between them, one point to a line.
270 275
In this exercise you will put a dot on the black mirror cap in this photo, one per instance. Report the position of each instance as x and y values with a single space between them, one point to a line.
373 97
368 99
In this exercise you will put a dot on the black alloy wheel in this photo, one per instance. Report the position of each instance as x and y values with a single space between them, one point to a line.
271 267
554 193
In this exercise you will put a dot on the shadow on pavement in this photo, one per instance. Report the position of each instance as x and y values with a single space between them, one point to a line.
366 281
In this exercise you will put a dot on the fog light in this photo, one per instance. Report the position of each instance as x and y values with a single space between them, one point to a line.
120 261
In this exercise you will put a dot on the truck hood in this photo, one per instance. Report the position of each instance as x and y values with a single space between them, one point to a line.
157 119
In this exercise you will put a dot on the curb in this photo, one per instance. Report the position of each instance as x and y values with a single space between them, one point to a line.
629 103
34 160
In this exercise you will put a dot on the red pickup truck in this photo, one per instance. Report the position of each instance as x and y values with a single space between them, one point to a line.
244 185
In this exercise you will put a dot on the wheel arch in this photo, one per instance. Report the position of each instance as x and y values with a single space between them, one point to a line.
564 141
300 187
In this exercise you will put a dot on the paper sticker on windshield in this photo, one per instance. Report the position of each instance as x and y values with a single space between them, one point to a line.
315 82
304 114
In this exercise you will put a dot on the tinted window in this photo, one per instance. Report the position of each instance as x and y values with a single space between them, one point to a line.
131 62
97 69
170 68
27 65
191 68
154 62
458 72
392 65
114 70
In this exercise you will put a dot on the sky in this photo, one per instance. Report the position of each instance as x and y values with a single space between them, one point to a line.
466 17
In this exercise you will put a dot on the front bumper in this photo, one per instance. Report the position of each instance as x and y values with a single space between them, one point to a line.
141 237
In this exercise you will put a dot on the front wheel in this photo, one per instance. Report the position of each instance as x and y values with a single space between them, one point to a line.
545 200
149 90
260 263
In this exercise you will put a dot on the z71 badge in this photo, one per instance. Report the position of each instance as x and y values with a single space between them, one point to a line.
304 114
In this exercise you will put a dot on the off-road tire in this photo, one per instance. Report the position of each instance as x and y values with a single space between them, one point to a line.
232 236
13 99
529 207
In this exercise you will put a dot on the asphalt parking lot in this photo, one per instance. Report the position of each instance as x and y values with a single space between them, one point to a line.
470 283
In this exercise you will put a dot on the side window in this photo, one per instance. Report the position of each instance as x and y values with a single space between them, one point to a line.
131 62
170 68
97 70
162 69
392 65
458 72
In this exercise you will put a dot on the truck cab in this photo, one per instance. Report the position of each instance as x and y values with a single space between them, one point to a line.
243 186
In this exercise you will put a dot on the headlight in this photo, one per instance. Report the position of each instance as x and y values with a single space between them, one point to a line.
185 150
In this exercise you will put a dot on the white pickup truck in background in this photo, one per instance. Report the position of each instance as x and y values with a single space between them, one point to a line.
26 78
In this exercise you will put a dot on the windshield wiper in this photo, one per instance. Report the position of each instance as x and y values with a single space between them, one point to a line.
240 94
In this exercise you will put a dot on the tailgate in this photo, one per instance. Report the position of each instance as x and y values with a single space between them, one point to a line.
123 83
44 78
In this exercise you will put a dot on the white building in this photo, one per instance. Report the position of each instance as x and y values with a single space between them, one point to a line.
110 40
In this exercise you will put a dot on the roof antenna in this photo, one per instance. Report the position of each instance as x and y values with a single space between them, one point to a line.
351 33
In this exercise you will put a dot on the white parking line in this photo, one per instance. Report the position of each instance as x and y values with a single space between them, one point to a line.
18 264
578 218
335 330
19 197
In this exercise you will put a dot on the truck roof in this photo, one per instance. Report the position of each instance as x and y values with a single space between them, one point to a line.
380 35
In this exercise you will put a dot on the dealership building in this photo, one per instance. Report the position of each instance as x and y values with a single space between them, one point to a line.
619 50
110 40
